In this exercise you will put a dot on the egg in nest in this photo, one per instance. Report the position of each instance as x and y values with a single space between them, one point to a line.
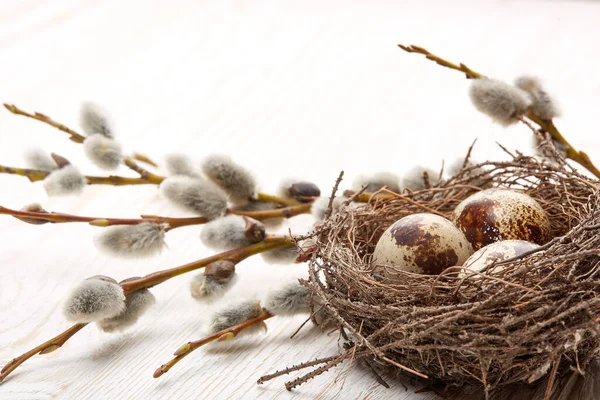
422 244
498 251
493 215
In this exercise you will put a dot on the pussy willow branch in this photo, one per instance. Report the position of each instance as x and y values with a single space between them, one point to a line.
58 218
146 178
225 334
579 157
35 175
148 281
74 136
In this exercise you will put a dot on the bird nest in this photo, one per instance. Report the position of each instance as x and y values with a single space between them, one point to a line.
533 320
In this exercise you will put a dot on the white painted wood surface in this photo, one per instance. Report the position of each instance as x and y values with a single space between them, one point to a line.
288 88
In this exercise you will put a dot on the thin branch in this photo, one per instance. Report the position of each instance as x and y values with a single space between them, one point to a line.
287 212
145 159
78 138
294 368
460 67
35 175
47 347
333 192
75 137
144 173
303 379
222 335
103 222
277 199
468 156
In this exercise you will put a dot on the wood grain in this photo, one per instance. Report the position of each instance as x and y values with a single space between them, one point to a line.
295 88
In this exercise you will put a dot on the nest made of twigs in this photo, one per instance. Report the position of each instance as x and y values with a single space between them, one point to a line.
536 317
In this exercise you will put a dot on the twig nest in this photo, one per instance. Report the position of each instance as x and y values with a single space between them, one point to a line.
493 215
498 251
422 244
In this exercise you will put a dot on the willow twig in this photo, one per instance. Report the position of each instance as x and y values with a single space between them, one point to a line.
58 218
144 158
579 157
74 136
35 175
47 347
148 178
286 212
222 335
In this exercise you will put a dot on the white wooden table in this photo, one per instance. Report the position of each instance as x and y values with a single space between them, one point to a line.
291 88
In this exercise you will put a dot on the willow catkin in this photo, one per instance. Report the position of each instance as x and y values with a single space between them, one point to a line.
94 299
377 181
290 299
136 304
64 181
498 100
40 159
106 153
141 240
180 164
235 180
196 195
235 314
94 119
542 104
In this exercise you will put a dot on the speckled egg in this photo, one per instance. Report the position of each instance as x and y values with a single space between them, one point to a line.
421 243
493 215
498 251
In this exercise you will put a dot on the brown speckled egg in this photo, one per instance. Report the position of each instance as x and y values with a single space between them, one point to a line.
501 214
498 251
421 243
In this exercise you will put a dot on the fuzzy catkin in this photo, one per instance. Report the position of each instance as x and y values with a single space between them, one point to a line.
208 288
236 314
67 180
498 100
225 233
542 103
106 153
285 255
455 167
234 179
290 299
196 195
141 240
94 299
136 304
95 120
377 181
39 159
180 164
414 178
